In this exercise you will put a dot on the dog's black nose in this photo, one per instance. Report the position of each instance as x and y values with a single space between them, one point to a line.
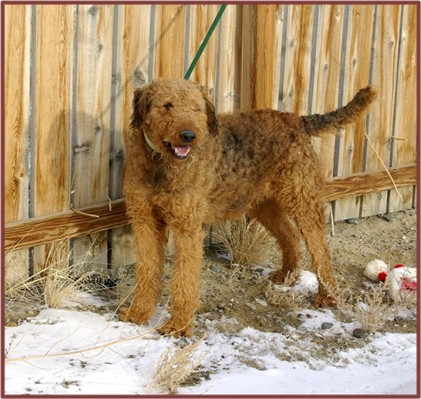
187 136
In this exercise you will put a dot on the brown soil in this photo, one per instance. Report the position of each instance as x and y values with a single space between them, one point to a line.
239 293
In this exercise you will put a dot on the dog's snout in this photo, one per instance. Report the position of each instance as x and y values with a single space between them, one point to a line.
187 136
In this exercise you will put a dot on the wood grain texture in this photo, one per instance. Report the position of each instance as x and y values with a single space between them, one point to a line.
298 58
201 18
92 133
365 183
68 224
380 127
54 44
170 31
248 47
405 128
17 31
16 92
326 76
229 60
266 56
52 113
349 158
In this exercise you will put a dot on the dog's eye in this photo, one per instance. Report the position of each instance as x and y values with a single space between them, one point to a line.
168 106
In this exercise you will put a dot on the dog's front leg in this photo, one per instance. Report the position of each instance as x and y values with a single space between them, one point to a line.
151 239
185 283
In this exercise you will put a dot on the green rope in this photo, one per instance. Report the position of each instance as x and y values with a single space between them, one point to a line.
205 41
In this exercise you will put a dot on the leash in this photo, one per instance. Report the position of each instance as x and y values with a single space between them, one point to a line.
205 41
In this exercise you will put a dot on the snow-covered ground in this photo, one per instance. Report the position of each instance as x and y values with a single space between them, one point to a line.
79 352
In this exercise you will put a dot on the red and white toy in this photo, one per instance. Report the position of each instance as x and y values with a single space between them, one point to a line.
401 279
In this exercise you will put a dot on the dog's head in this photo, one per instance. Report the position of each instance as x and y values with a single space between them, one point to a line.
174 116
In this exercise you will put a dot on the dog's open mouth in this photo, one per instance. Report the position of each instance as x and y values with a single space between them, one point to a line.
179 151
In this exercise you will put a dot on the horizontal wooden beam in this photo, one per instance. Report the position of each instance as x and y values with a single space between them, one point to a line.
76 223
68 224
365 183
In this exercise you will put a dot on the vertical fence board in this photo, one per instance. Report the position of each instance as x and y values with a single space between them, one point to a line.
260 56
404 151
356 76
54 46
297 59
247 70
266 56
91 144
230 60
201 18
384 66
133 65
134 62
16 175
326 76
170 31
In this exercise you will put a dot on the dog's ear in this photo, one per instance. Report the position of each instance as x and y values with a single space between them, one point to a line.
212 121
141 105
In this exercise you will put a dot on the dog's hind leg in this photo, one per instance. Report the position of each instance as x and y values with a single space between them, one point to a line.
271 215
309 215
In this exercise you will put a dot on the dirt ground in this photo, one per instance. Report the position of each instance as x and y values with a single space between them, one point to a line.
239 292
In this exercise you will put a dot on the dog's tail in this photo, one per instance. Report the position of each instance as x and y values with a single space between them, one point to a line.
317 123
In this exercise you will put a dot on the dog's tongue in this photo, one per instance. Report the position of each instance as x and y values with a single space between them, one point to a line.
182 150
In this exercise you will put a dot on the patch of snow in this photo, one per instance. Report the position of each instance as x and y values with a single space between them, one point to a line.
73 352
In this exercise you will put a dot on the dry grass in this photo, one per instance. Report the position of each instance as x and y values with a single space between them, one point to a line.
284 297
175 367
372 309
247 241
55 285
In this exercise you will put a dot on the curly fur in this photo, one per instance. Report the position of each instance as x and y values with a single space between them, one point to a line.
259 162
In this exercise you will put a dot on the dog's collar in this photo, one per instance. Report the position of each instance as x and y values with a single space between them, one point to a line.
149 142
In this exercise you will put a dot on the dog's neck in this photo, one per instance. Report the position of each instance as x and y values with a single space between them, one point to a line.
150 143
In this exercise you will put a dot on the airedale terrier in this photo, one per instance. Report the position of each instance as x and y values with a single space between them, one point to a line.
187 167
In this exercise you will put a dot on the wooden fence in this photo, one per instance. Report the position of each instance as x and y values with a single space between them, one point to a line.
70 71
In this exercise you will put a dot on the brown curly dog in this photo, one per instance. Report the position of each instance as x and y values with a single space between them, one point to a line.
187 167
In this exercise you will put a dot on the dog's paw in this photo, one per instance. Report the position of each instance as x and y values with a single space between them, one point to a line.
277 276
324 301
130 314
176 329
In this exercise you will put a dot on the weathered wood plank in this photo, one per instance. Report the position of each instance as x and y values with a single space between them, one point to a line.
52 115
68 224
356 75
384 69
16 123
260 56
201 18
326 76
16 90
133 64
365 183
296 80
247 70
229 61
405 129
91 137
170 33
71 224
266 56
